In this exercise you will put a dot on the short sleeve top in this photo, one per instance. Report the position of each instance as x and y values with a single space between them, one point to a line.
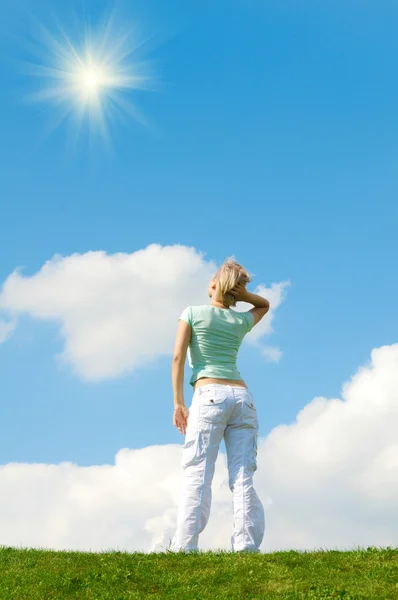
216 336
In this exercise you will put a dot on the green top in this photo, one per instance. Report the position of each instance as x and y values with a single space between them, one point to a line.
217 334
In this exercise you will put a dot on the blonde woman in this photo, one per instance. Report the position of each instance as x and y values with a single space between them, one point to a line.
222 408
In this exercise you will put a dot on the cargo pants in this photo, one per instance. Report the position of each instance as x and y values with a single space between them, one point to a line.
220 411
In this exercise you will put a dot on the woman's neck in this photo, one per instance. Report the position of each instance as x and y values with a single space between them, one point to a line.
218 304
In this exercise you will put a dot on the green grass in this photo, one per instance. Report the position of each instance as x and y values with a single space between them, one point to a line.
43 574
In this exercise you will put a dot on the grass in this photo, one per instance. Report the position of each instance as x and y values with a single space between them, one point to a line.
44 574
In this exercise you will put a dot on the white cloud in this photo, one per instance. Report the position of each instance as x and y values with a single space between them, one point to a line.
271 353
328 480
276 295
115 312
333 475
6 329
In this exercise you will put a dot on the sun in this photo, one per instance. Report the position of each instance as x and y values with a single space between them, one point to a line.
92 79
94 76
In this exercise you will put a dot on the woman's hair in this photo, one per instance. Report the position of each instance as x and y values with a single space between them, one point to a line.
228 275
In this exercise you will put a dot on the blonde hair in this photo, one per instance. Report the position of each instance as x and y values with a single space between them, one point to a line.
228 275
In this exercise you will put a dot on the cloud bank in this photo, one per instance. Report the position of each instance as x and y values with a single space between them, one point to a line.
117 312
276 295
328 480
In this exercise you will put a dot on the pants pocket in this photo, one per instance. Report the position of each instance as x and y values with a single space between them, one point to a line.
193 450
189 450
249 412
250 461
254 454
212 406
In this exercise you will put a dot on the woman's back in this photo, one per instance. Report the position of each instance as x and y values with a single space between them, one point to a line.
216 335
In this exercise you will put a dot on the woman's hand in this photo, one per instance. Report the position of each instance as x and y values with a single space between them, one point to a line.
180 418
240 292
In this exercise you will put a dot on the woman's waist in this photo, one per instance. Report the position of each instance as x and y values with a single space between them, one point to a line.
218 382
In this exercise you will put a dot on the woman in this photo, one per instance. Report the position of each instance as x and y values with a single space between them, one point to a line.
222 407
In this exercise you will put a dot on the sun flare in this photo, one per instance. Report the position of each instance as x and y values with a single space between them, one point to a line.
91 78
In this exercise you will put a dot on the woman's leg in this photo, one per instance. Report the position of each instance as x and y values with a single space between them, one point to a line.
241 446
198 461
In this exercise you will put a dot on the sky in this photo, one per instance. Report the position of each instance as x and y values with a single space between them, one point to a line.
263 130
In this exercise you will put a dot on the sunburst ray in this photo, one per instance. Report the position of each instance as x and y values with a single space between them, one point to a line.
91 76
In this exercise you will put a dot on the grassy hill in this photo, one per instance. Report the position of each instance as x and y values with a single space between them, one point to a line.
43 574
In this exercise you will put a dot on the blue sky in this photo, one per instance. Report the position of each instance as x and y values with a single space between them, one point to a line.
274 139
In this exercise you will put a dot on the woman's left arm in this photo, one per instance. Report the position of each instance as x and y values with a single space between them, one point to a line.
180 417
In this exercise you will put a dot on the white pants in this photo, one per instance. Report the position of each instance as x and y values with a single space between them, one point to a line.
220 411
